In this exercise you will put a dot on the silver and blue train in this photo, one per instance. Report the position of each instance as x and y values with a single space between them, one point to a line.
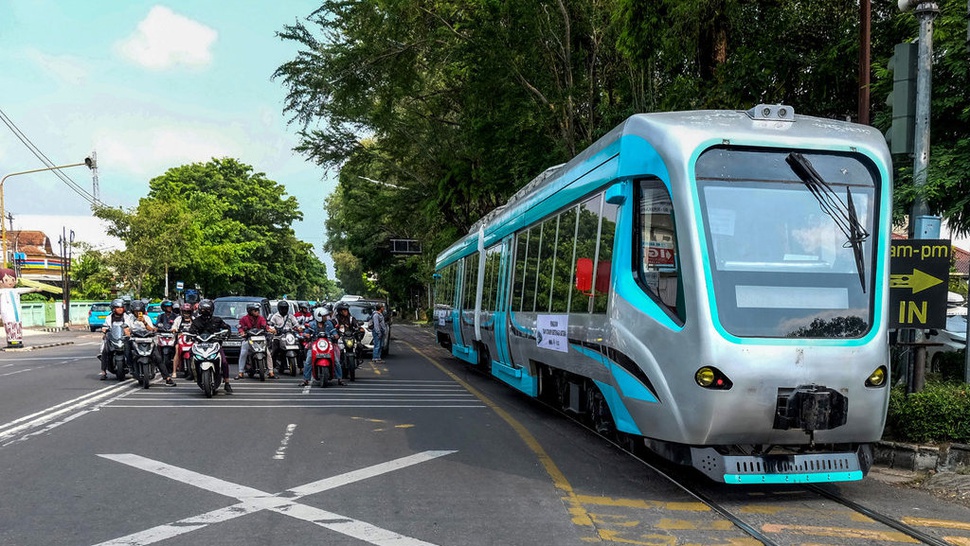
710 284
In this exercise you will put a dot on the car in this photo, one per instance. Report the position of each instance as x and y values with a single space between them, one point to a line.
231 309
153 310
953 338
97 313
363 311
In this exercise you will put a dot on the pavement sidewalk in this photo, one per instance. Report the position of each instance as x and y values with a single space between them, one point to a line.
41 338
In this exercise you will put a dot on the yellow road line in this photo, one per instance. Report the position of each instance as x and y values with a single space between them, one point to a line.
575 508
882 536
946 524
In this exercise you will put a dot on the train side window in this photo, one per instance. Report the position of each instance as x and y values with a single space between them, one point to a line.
659 263
546 265
471 282
587 237
604 261
490 288
518 281
563 272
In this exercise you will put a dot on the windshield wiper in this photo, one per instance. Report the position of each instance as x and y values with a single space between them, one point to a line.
843 214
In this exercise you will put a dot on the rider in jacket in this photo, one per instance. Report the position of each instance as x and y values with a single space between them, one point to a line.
207 323
168 316
253 320
143 322
279 321
118 314
322 322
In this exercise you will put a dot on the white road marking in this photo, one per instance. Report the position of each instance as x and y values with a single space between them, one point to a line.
46 415
254 500
261 406
16 372
281 451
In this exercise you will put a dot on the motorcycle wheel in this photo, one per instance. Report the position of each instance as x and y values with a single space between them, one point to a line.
351 367
324 375
120 371
291 361
261 364
146 374
207 384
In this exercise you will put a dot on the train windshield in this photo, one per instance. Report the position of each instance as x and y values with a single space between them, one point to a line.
788 236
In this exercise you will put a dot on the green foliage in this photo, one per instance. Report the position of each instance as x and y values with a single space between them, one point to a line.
940 413
90 276
218 225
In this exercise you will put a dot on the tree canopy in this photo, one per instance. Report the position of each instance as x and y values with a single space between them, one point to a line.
452 106
219 226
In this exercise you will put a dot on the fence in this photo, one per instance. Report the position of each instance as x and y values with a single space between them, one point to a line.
50 314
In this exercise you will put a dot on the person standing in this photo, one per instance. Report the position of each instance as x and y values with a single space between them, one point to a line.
10 307
379 331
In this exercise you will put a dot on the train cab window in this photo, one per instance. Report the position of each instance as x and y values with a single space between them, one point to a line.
788 239
659 264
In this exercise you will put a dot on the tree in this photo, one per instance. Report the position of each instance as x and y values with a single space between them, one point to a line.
218 225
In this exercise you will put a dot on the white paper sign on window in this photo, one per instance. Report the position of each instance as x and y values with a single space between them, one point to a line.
442 315
552 332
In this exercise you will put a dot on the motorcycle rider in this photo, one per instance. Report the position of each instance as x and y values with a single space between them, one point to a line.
179 325
321 322
207 323
143 322
168 316
279 321
253 320
350 324
303 316
118 314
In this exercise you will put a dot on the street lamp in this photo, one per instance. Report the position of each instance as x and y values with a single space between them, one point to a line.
88 162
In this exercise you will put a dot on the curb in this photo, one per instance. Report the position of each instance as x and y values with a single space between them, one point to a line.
917 458
32 347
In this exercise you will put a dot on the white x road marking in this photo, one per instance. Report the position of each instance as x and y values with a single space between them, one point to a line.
254 500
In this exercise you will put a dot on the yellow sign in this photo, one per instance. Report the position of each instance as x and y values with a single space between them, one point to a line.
918 281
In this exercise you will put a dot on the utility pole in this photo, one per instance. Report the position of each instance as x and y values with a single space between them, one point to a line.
865 26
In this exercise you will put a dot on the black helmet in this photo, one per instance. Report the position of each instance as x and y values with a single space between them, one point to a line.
167 305
186 308
283 307
206 307
137 306
342 305
252 306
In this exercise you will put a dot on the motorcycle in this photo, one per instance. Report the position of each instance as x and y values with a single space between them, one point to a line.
115 353
349 352
288 350
184 349
142 352
166 344
322 359
207 360
256 361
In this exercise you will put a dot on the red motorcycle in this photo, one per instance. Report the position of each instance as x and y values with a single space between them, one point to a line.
322 359
184 348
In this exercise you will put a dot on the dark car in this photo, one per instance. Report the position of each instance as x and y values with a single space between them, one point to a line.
231 309
363 311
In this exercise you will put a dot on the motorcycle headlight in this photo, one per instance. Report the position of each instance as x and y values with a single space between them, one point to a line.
350 343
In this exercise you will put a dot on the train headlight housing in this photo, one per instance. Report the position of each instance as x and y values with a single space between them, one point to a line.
710 377
877 378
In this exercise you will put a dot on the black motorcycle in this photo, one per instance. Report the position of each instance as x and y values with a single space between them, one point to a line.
115 350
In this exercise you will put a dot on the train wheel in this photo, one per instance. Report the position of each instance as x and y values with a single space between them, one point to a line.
598 411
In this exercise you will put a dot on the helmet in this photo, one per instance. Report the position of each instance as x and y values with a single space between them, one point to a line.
252 306
342 305
320 314
283 307
206 307
304 306
118 302
328 309
137 306
167 304
186 308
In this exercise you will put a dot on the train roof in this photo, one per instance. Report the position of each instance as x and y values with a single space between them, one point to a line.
680 134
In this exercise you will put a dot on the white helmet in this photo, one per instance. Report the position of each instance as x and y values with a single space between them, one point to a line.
320 314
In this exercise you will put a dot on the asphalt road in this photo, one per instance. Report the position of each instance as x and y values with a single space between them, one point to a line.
417 451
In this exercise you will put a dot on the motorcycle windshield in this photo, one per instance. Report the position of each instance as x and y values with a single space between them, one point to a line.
116 332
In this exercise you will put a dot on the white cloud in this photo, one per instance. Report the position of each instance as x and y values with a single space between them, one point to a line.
64 68
165 38
150 151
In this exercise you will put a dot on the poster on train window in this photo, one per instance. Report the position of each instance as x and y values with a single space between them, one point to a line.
552 332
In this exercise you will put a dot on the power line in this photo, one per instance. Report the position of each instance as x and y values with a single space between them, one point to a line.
46 161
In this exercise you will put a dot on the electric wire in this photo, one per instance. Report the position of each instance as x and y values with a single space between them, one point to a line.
46 161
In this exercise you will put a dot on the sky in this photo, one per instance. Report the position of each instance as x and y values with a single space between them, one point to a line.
148 86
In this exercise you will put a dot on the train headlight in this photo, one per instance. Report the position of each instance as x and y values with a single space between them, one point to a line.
877 378
704 377
710 377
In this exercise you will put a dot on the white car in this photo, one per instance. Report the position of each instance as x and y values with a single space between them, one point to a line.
953 337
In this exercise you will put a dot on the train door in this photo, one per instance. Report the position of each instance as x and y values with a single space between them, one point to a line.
491 320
